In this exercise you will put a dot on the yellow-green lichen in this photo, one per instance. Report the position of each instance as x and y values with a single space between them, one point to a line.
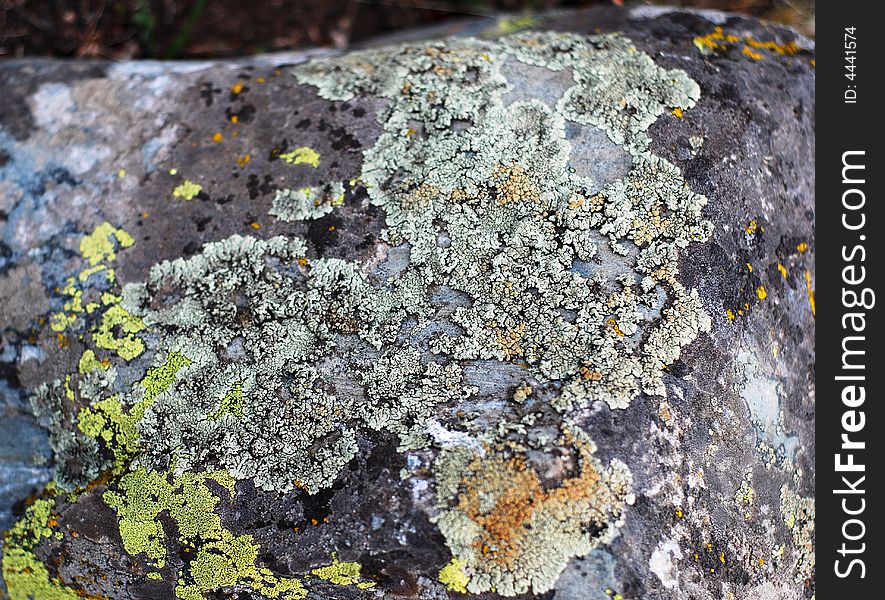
232 403
188 190
343 573
26 577
301 155
101 245
452 575
110 421
222 559
127 345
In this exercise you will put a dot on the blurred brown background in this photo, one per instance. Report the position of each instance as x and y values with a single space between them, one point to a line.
121 29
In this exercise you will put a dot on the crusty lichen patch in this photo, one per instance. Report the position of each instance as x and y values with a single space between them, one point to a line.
495 181
262 364
26 577
511 529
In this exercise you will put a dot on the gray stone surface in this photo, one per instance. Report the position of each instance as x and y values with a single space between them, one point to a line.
718 443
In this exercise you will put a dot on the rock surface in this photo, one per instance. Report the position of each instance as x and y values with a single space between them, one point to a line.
527 313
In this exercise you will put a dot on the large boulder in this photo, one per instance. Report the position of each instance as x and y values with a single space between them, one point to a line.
526 312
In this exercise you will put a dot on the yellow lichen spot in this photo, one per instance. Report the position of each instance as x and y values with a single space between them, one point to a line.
722 557
88 362
217 137
244 160
255 225
810 293
761 293
752 227
236 88
782 270
99 245
749 267
813 63
187 190
343 573
453 576
679 513
749 53
117 332
173 171
121 173
410 132
802 247
259 80
730 314
677 112
234 119
302 155
302 262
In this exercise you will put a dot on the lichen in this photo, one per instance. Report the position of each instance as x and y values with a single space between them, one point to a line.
520 227
452 575
511 528
266 362
221 558
303 155
187 190
26 577
307 203
343 573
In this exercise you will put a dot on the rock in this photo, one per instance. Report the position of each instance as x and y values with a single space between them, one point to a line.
527 312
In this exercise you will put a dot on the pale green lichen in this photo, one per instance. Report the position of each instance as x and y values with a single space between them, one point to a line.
799 515
307 203
519 225
276 318
110 420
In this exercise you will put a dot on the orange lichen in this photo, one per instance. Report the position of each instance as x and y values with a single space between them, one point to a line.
677 112
217 137
236 88
509 340
518 494
810 293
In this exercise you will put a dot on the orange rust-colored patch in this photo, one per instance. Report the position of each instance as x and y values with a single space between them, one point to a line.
518 493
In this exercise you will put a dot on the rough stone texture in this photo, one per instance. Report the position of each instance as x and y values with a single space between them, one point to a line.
721 466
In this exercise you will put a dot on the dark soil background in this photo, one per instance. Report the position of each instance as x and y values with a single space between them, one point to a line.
123 29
